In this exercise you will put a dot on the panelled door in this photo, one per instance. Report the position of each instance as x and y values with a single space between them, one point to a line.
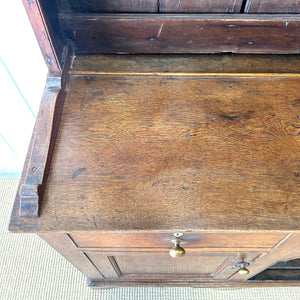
205 266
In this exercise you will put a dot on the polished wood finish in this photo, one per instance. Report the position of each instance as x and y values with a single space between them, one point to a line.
122 266
64 244
163 263
150 6
287 250
191 240
207 131
94 33
94 6
274 6
188 65
46 128
176 128
29 193
200 6
95 26
132 151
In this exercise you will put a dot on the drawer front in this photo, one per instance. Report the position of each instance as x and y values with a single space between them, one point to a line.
216 266
189 240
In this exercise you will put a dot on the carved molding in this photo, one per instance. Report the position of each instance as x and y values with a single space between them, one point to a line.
29 192
46 128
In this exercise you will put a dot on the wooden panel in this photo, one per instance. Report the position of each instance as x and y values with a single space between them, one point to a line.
229 271
231 64
286 250
200 6
163 263
105 264
182 33
274 6
96 6
64 245
190 240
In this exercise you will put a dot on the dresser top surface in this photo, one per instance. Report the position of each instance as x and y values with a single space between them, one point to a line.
173 152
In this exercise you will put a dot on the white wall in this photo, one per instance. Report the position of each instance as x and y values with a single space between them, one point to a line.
22 79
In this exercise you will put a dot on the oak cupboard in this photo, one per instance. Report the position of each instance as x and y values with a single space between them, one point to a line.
153 140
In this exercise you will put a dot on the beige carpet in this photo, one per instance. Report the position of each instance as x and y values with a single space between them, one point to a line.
31 269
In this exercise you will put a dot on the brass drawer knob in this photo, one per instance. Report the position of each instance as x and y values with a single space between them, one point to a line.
177 251
242 267
244 271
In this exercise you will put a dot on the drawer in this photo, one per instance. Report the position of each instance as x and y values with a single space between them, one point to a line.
189 240
118 264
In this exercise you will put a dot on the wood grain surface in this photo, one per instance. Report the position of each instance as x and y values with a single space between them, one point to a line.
63 244
163 33
287 250
175 154
94 6
29 192
43 141
188 65
207 153
200 6
205 145
274 6
219 240
148 263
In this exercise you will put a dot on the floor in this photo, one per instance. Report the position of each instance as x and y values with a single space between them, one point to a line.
31 269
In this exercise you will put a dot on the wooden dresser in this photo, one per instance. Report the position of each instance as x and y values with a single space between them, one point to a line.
166 148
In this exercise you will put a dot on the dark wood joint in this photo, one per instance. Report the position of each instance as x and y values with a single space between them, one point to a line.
29 200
